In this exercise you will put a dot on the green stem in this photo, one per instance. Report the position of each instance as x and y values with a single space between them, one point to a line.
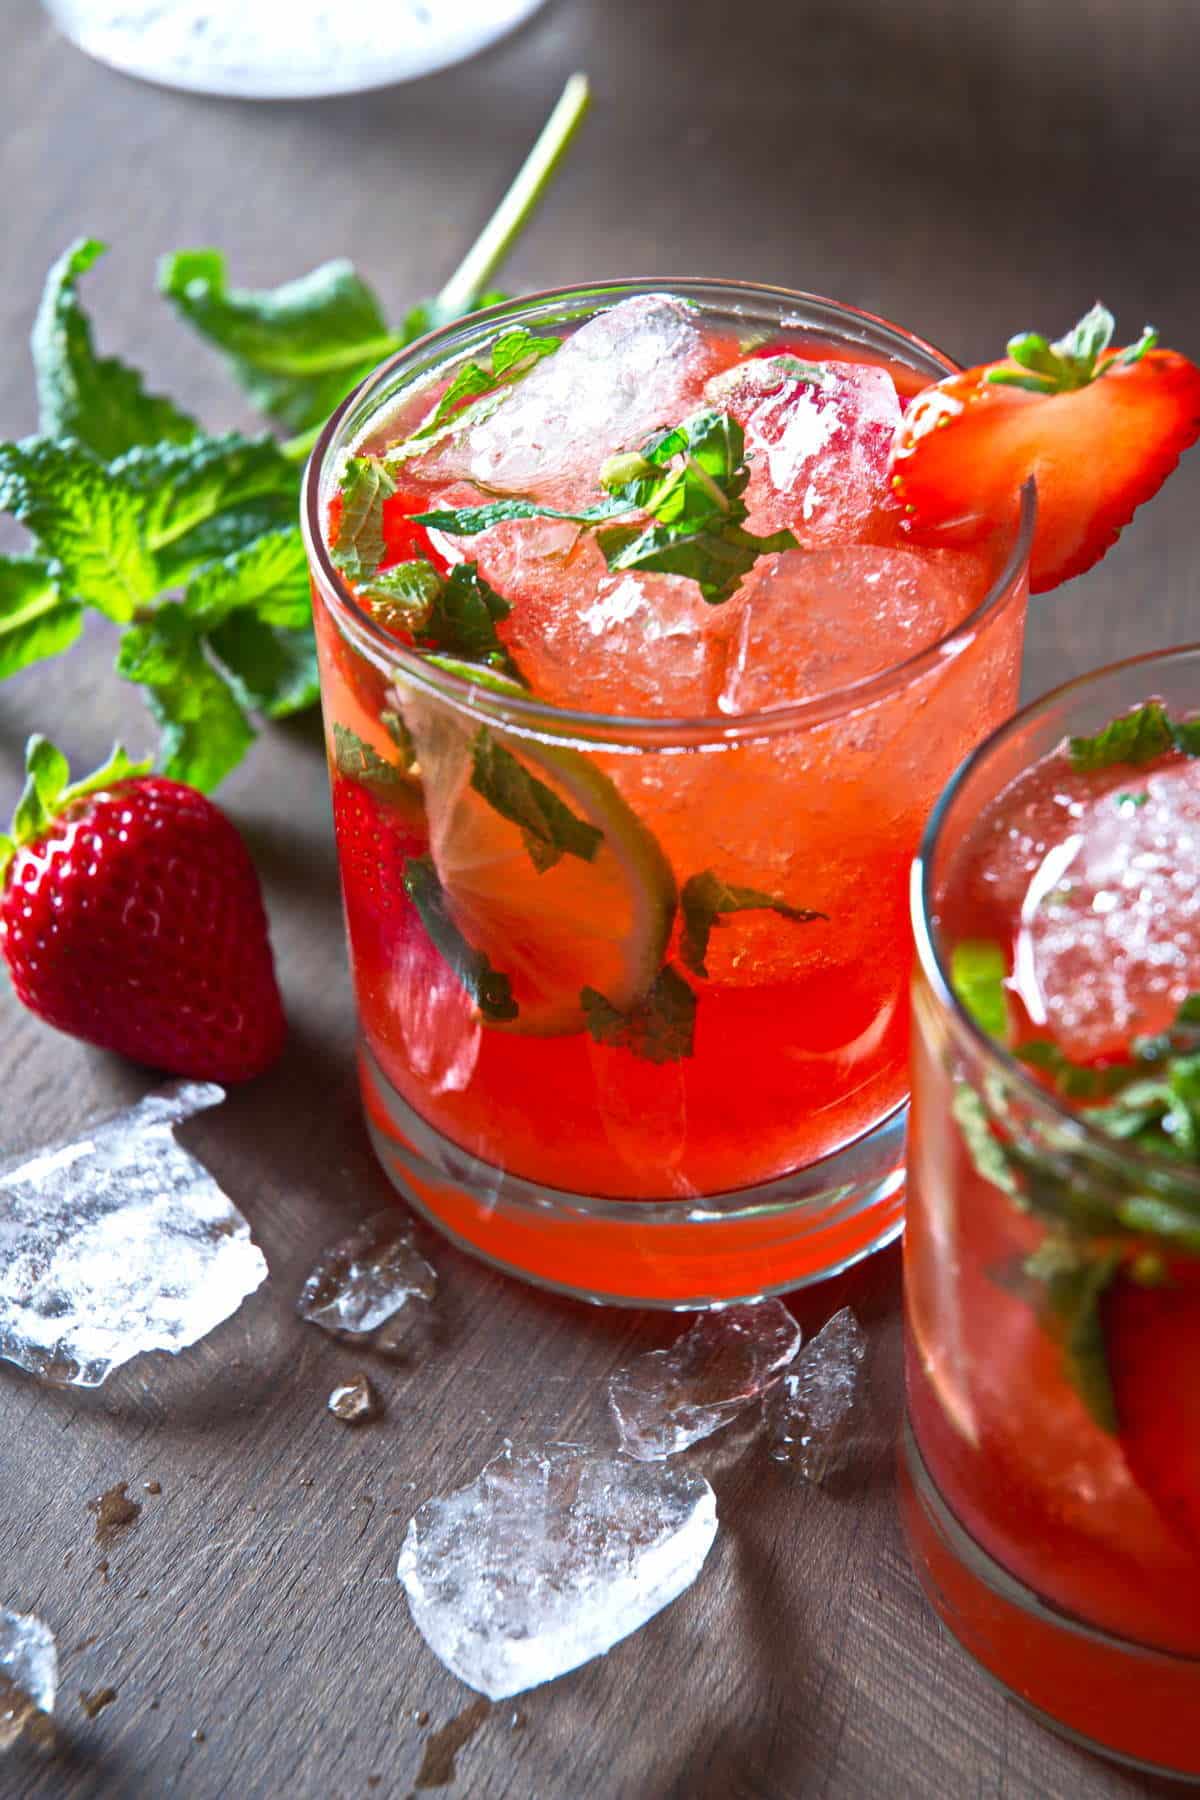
498 236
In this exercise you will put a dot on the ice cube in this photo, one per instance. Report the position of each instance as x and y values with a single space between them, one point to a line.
819 450
637 366
354 1402
1109 942
549 1558
819 620
28 1678
810 1413
669 1399
119 1242
373 1286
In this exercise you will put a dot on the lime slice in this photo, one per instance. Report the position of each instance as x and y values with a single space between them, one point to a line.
553 919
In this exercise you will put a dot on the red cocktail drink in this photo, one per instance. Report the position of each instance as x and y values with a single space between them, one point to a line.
1052 1252
638 695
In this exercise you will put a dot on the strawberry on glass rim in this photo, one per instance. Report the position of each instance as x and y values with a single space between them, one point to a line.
1099 430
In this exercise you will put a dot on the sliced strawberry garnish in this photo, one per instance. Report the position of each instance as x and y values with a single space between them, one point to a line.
1153 1340
1098 429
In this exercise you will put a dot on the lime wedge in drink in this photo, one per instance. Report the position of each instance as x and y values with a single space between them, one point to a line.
545 868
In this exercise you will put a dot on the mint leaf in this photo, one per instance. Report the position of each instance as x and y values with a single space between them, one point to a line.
360 761
549 828
87 520
35 621
295 350
365 486
1075 1278
469 521
1135 738
401 598
269 575
716 560
205 732
704 901
660 1028
462 619
98 401
978 970
504 361
183 487
490 990
1075 1081
272 669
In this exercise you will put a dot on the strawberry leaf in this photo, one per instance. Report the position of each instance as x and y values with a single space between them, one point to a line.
49 791
35 621
98 401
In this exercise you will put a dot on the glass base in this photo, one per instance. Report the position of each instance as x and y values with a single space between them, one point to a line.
680 1254
249 49
1120 1699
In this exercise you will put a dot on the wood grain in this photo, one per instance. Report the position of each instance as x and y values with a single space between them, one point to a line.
965 168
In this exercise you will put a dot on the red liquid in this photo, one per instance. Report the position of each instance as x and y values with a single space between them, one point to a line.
801 1033
1029 1477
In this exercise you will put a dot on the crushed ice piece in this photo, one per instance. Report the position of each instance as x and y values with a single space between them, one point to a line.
667 1400
28 1679
809 1415
117 1243
631 369
373 1287
354 1402
549 1558
114 1511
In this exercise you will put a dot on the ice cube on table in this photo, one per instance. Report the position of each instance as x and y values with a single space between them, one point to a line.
28 1678
667 1400
635 367
1109 943
818 620
117 1243
549 1558
810 1413
372 1286
819 449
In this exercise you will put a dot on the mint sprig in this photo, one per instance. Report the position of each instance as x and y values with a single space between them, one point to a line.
706 900
1135 738
1072 361
186 541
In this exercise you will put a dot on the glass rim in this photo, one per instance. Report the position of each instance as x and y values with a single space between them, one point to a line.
1073 1123
645 731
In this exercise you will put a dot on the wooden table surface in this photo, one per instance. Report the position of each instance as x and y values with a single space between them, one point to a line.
963 167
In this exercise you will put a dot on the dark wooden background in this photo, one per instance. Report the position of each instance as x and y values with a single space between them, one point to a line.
964 167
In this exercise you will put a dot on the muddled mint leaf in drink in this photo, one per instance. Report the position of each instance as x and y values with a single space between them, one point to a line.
360 761
1075 1279
98 401
1135 738
505 360
204 729
660 1027
548 827
358 548
705 900
717 560
401 598
295 350
36 622
469 521
978 971
462 620
488 987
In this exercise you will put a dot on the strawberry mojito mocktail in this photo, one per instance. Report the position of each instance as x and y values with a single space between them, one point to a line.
638 692
1052 1254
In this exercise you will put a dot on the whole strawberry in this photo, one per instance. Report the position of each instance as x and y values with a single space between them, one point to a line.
131 916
